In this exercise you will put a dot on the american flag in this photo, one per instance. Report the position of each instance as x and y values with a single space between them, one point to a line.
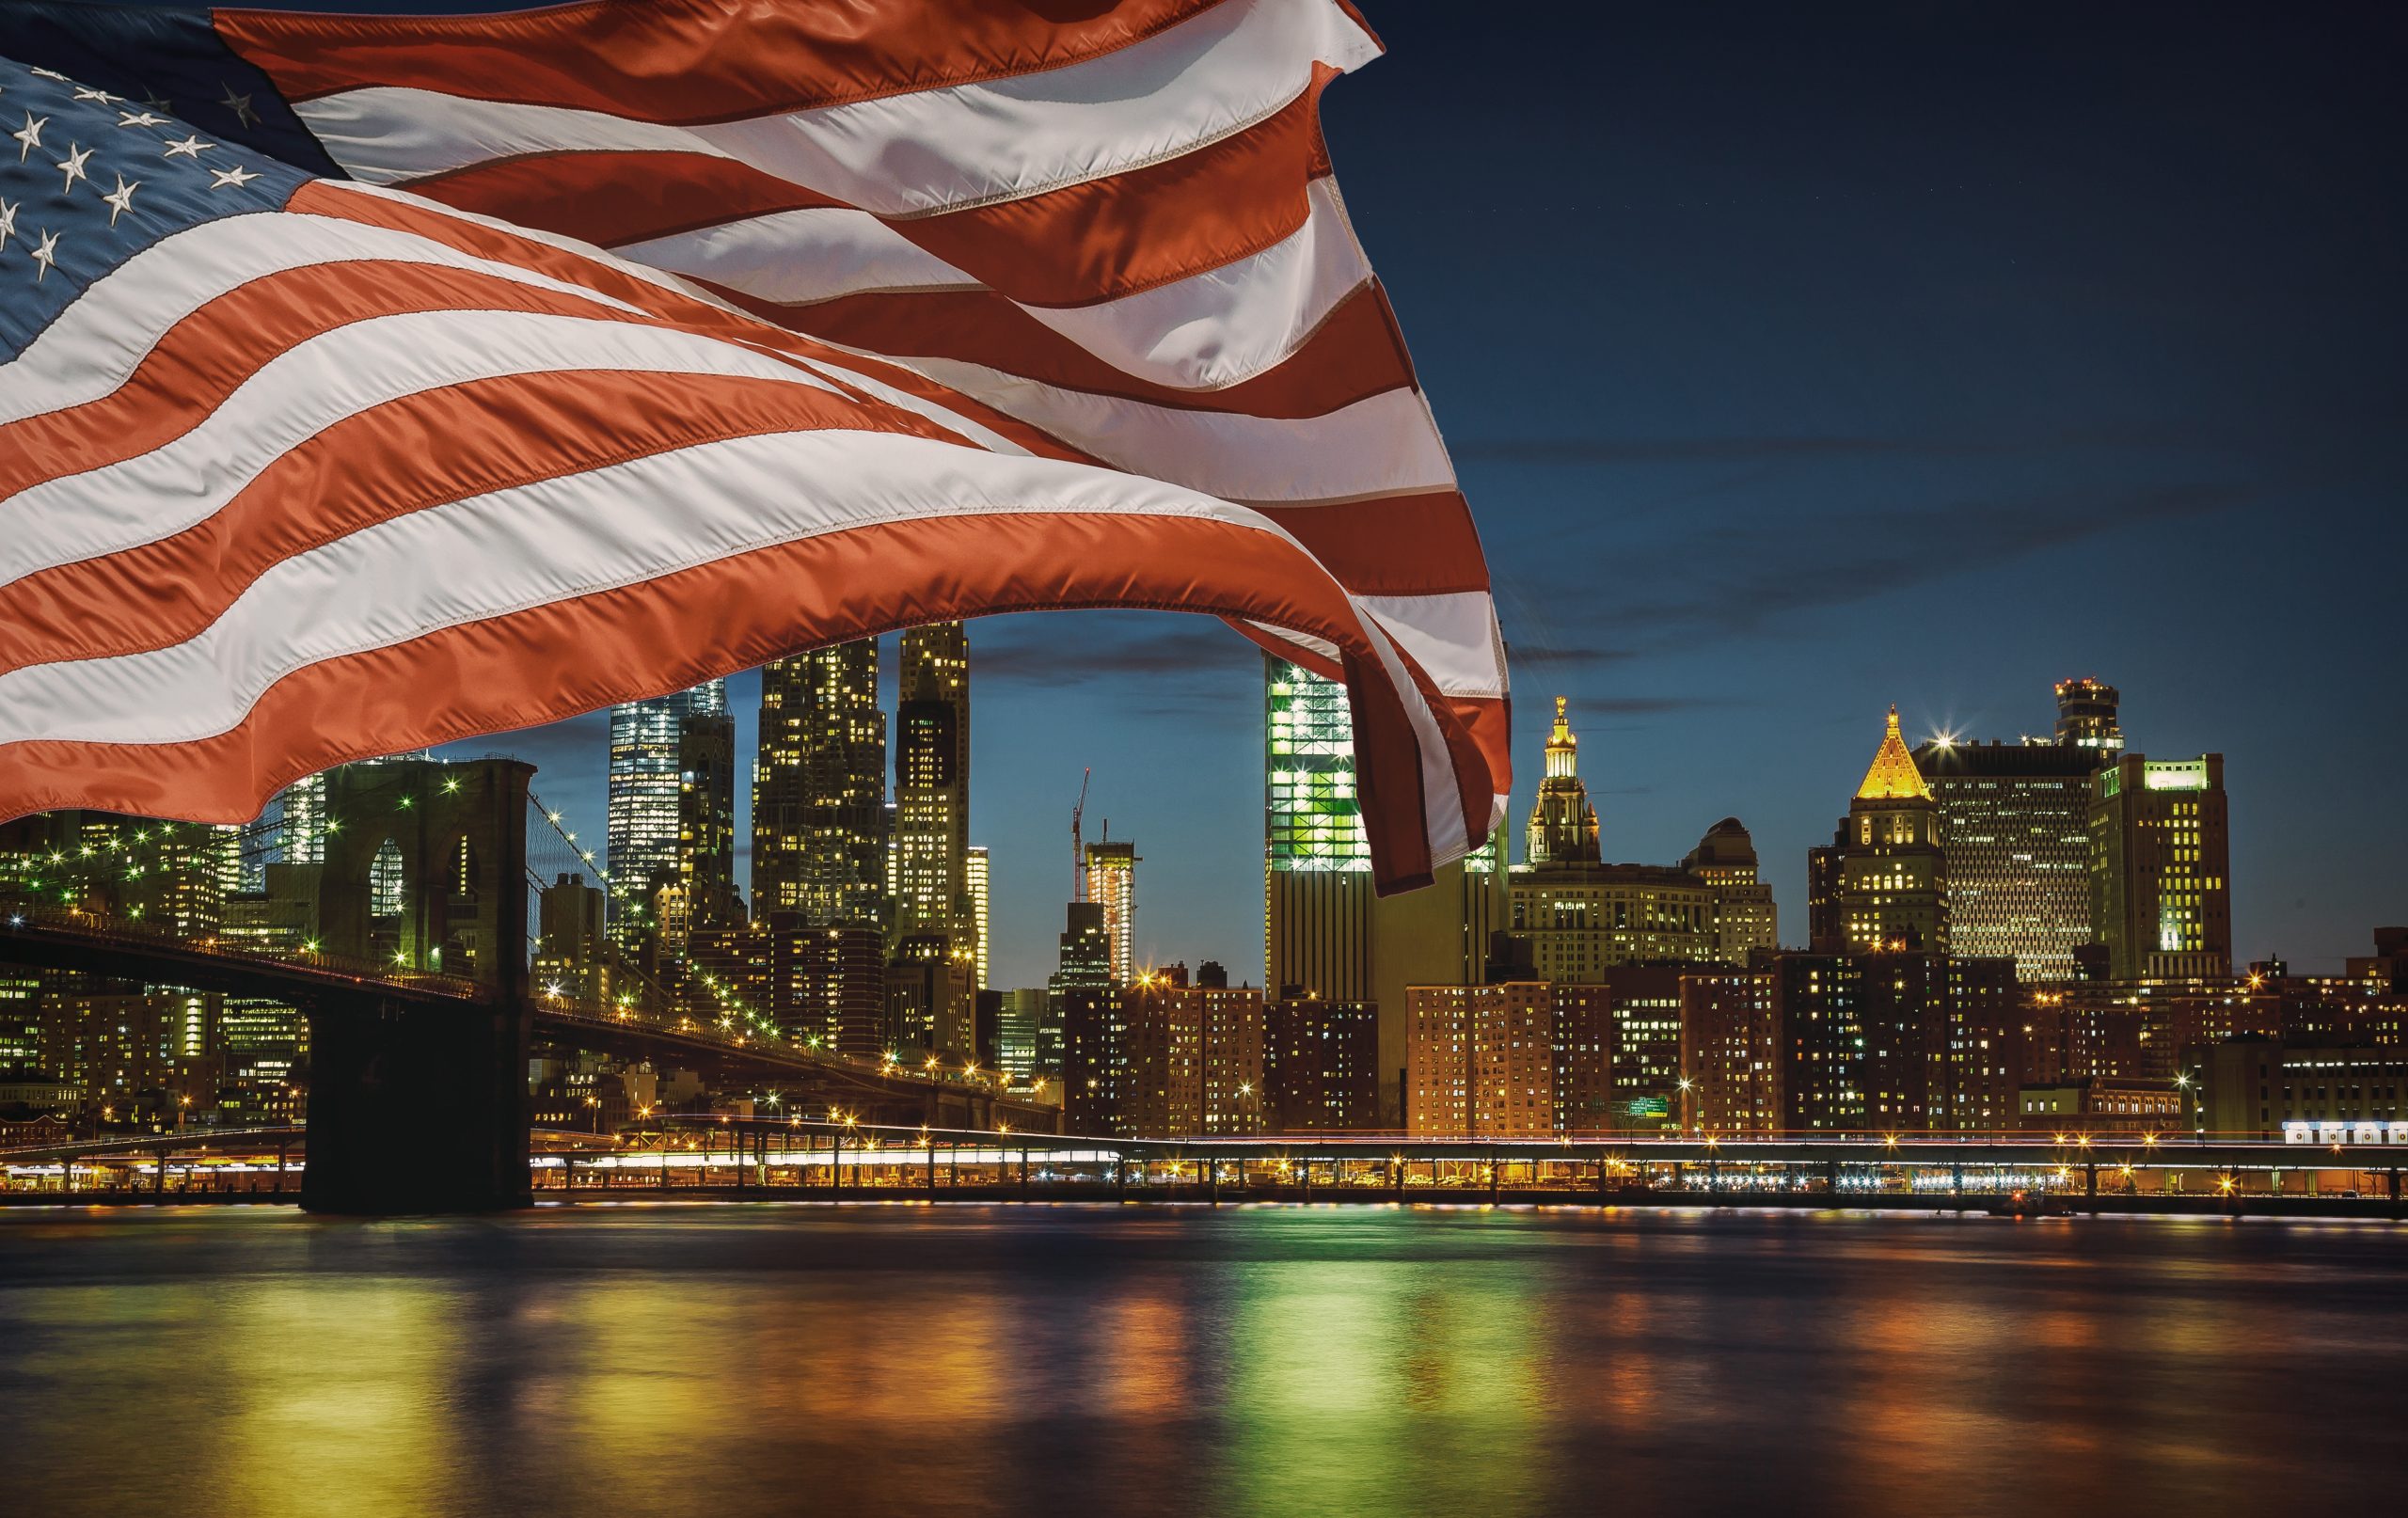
370 382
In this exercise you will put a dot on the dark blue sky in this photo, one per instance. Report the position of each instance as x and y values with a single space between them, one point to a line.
1801 360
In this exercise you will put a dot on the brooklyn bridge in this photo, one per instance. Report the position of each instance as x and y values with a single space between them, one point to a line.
422 1012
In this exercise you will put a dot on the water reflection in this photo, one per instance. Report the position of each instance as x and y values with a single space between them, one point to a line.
883 1360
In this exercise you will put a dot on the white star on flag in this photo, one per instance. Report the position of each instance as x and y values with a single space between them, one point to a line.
236 178
128 118
72 166
98 97
46 254
7 220
30 135
191 146
45 73
121 200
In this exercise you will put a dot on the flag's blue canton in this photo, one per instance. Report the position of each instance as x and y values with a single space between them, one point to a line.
168 58
89 180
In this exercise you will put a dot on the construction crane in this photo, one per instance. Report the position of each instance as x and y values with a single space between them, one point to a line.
1078 845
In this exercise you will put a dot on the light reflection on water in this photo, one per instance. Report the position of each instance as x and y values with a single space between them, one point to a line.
880 1360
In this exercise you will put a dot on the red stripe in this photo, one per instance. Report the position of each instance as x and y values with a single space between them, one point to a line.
690 60
572 656
617 197
420 450
1353 355
1423 545
204 357
1084 242
1114 236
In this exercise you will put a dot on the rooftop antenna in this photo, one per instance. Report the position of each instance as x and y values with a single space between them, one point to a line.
1078 847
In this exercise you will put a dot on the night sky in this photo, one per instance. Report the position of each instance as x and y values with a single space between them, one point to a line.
1802 359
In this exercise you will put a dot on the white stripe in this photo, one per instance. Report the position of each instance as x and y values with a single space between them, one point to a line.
315 384
1229 323
1381 445
529 546
796 258
1442 811
96 342
946 416
924 151
1453 636
1211 329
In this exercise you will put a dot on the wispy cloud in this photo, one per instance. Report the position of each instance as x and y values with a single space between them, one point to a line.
1743 573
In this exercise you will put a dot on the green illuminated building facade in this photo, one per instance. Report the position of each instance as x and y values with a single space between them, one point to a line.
1326 934
2161 889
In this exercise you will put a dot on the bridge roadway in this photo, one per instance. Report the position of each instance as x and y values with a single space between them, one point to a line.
395 1054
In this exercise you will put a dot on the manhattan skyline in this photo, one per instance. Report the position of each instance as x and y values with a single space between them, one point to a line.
1854 358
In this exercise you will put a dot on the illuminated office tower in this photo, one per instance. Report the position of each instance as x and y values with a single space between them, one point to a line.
301 822
1017 1032
706 877
820 823
2015 823
1316 929
1884 881
1112 883
644 790
1325 933
1082 1005
932 788
981 908
2160 889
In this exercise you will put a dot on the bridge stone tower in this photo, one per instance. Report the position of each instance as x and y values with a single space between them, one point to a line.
414 1108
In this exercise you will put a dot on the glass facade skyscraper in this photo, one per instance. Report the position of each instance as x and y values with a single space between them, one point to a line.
1315 819
932 788
819 822
646 782
1112 883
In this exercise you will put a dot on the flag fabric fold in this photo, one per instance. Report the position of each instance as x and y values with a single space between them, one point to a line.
370 382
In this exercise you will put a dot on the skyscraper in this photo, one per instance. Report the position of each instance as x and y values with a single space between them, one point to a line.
1317 863
1325 933
705 879
981 909
820 823
645 791
1112 883
2014 822
1082 1002
2161 892
1884 881
932 787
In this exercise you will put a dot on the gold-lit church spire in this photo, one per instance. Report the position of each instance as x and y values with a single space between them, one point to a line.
1893 776
1563 827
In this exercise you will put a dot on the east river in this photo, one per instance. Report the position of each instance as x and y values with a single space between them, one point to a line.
868 1361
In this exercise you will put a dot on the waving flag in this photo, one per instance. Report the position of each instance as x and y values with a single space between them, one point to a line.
327 427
